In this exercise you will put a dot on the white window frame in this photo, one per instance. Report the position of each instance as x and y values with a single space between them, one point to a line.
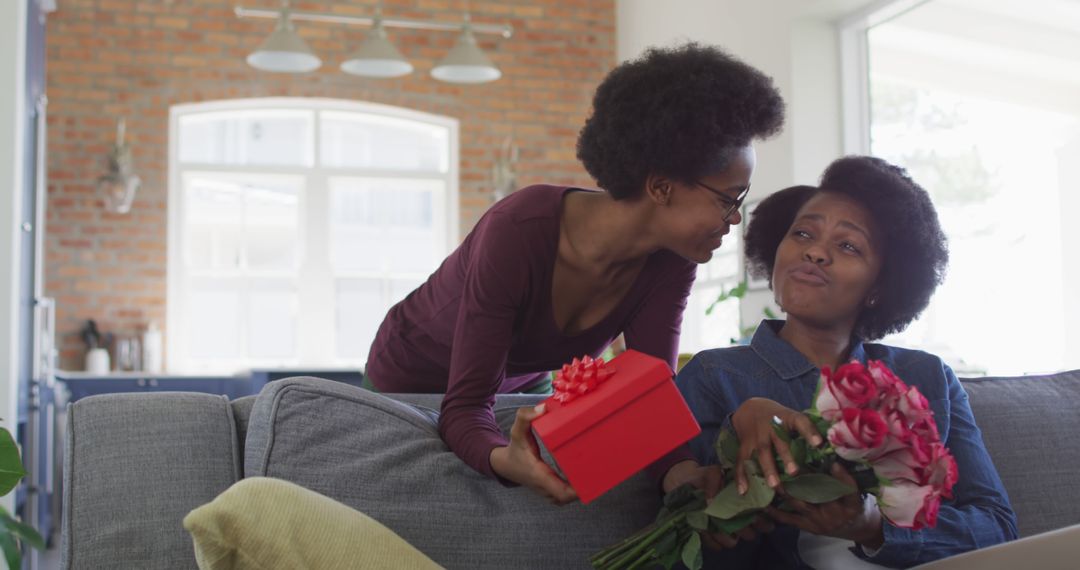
315 282
855 68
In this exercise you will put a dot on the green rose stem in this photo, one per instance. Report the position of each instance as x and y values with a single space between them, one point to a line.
617 555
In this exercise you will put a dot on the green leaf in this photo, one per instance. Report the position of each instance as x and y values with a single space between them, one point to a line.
786 507
736 292
817 488
698 520
728 503
21 530
669 559
667 544
822 426
769 313
11 550
752 467
798 451
691 552
11 467
727 449
733 524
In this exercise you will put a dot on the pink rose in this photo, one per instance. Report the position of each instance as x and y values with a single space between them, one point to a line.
889 386
858 434
851 386
906 464
942 472
908 505
913 405
926 428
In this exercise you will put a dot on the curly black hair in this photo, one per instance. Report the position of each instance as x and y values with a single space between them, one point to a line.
679 112
914 249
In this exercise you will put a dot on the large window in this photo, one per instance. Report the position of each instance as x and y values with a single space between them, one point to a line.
980 100
296 223
706 322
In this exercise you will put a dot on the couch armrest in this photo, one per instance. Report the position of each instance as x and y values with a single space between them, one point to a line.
135 465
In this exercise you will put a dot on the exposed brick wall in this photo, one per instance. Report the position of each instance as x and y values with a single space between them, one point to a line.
136 58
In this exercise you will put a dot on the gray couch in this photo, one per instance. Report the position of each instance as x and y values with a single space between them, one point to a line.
137 463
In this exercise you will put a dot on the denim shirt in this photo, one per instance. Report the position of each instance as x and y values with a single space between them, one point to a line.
717 381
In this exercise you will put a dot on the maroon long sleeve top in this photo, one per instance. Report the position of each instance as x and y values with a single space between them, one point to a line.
483 323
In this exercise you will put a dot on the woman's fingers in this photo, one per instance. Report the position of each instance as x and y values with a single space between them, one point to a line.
523 422
719 540
852 502
763 525
767 463
784 451
806 428
550 484
714 481
746 534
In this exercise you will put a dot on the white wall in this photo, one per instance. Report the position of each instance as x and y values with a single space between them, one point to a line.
12 87
795 42
1069 176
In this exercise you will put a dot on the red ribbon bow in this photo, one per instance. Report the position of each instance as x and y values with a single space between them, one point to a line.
579 377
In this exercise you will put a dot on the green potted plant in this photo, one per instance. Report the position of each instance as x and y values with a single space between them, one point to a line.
11 530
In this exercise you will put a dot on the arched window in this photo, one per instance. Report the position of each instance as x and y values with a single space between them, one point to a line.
295 223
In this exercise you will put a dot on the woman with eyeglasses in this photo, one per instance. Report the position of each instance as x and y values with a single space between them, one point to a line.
551 273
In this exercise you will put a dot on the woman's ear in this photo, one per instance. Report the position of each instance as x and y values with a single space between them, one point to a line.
658 189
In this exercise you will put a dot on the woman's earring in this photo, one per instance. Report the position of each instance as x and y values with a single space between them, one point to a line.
871 302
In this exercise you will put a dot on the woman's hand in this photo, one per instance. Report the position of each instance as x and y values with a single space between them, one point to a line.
849 517
710 480
520 461
753 423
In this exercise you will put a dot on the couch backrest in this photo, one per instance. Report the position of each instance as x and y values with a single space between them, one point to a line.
134 465
1030 426
386 459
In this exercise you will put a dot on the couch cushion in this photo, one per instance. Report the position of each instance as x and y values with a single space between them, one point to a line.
262 523
135 465
1029 425
385 458
241 409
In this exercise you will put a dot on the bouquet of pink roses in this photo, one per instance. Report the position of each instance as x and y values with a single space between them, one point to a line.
875 425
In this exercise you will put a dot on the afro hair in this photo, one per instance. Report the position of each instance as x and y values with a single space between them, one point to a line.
679 112
914 248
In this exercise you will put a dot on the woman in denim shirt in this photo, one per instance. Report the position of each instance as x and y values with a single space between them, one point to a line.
850 261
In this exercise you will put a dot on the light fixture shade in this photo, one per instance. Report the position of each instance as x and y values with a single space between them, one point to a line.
284 51
466 62
377 57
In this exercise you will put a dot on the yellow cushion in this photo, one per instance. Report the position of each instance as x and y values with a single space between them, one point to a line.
263 523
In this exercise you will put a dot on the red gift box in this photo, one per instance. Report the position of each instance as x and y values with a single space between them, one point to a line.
607 421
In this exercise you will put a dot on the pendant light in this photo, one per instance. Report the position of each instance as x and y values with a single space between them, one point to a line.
284 51
376 56
466 62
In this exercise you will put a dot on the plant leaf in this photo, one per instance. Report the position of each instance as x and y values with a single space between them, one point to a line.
698 520
733 524
798 451
817 488
691 552
23 531
670 557
11 467
727 449
728 503
11 550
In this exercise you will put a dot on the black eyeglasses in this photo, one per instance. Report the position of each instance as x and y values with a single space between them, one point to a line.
732 204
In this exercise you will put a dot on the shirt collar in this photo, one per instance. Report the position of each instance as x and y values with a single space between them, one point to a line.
787 362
